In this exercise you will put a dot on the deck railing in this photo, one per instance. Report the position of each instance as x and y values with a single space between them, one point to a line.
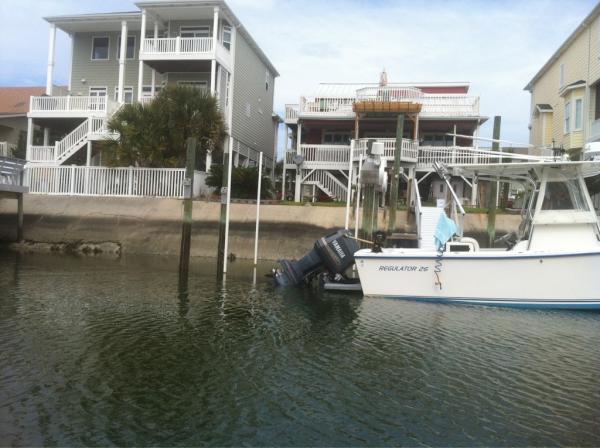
178 45
91 104
42 154
389 94
410 148
454 155
103 181
327 106
449 105
291 112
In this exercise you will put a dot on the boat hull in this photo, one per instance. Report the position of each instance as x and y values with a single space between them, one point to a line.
541 280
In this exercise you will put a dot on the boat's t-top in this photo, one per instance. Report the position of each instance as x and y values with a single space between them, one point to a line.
557 209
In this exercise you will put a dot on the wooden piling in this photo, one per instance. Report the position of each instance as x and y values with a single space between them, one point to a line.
491 226
186 228
395 175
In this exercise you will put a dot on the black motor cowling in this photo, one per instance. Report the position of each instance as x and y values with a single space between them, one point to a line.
333 253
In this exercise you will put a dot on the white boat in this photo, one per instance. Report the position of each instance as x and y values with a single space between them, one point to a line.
553 260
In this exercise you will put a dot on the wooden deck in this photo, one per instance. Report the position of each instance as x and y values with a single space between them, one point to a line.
11 186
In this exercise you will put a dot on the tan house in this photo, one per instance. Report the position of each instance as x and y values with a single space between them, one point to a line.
14 105
565 92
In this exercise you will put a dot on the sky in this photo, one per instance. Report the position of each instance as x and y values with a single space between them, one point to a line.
496 45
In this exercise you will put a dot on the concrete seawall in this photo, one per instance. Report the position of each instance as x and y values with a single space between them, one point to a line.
153 226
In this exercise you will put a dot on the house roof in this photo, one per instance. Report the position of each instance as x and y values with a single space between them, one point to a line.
542 107
565 45
112 21
15 100
574 85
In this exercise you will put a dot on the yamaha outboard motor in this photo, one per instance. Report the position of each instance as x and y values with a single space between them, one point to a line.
333 253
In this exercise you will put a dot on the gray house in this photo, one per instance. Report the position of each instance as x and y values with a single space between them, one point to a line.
126 57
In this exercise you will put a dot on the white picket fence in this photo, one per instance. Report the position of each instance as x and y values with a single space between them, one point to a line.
104 181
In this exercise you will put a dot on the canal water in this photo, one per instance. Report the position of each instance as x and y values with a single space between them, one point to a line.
108 352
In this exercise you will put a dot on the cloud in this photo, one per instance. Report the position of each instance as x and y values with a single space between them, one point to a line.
496 45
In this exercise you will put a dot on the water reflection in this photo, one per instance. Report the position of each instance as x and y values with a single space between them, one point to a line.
104 352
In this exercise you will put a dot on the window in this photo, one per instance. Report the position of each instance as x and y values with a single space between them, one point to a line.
100 47
195 31
441 188
127 94
226 37
97 91
578 113
267 80
147 91
196 84
564 195
567 117
336 138
130 53
561 76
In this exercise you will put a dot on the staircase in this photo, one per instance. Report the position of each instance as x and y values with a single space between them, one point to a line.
428 223
327 183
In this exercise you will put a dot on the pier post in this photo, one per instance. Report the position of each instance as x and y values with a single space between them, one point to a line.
186 229
395 175
223 218
493 193
19 217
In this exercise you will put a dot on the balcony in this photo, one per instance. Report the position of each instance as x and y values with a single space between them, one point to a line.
410 149
449 106
184 49
291 113
326 157
398 100
70 106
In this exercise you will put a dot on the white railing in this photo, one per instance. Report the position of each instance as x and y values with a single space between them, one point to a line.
41 154
145 100
326 106
69 104
454 155
103 181
410 148
75 138
325 154
7 149
177 45
389 94
328 183
291 112
457 105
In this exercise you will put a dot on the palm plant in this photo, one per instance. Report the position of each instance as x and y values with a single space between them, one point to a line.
154 135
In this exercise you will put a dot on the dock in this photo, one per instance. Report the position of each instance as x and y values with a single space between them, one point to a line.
12 186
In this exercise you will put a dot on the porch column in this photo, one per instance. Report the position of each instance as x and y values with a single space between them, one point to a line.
285 150
141 70
213 62
474 184
46 136
88 155
122 57
29 139
153 85
417 127
51 50
454 136
298 190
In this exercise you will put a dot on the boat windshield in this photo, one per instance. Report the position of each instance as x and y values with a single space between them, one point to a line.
564 194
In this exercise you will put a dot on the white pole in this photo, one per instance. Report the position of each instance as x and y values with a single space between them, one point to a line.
260 161
122 56
349 194
51 50
357 197
141 69
153 85
229 122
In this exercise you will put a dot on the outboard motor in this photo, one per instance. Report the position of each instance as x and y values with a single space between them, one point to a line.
333 253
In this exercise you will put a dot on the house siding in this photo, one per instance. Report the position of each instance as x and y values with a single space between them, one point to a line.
581 62
105 73
252 121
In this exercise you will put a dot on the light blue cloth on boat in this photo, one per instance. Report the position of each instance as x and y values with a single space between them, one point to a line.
446 229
